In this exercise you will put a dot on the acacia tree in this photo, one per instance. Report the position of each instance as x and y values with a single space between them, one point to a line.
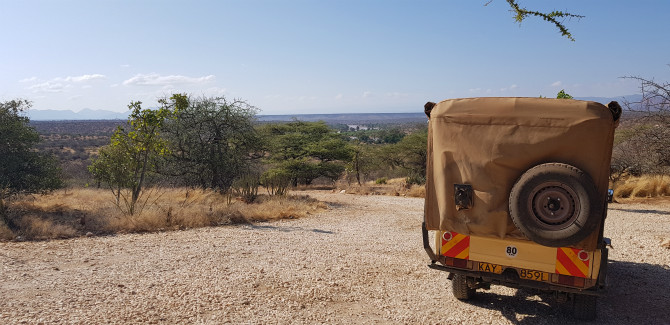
410 155
654 125
211 142
555 17
305 151
22 169
132 153
367 159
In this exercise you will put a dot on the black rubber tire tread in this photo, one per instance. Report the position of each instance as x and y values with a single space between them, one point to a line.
584 307
459 286
590 205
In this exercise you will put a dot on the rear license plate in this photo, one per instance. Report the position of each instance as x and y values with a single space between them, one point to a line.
533 275
523 273
489 267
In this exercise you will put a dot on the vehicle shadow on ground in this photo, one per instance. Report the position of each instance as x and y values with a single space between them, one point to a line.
289 229
638 293
645 211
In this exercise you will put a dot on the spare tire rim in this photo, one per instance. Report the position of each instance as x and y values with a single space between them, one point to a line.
554 205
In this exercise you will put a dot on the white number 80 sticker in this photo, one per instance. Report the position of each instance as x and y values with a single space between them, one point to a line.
511 251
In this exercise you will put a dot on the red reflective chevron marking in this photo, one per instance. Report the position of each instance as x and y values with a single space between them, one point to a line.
458 246
568 262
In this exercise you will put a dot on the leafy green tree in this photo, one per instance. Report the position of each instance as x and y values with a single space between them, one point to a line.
306 151
366 160
410 155
22 169
563 95
133 152
212 142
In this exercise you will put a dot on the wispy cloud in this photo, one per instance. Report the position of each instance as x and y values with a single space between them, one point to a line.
86 77
154 79
557 84
510 88
31 79
396 94
367 94
48 87
59 84
216 91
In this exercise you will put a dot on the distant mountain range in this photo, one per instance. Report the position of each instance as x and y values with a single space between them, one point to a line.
92 114
67 115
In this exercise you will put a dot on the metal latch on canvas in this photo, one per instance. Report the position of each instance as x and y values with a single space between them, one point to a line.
463 196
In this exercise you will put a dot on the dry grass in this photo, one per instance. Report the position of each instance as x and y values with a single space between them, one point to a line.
288 207
643 187
393 187
417 191
78 212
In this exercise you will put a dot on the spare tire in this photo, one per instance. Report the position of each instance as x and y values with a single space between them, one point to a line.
555 205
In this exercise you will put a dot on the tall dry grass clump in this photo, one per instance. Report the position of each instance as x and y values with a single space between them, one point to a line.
392 187
417 191
280 207
82 211
643 186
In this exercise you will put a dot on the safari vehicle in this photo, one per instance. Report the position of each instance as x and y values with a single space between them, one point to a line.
516 194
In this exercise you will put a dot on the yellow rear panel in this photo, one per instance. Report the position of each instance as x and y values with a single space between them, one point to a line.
525 255
521 254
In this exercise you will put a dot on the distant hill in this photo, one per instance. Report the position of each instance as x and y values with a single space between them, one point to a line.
348 118
620 99
89 114
68 115
344 118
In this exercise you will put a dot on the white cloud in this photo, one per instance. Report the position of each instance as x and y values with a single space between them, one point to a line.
31 79
339 96
396 95
154 79
367 94
84 78
48 87
59 84
125 65
216 91
557 84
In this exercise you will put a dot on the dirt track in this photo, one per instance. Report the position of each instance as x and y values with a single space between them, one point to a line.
359 262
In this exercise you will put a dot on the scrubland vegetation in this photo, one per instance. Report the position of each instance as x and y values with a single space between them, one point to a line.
88 211
191 162
195 162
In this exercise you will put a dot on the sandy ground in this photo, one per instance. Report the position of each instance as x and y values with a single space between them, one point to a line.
361 261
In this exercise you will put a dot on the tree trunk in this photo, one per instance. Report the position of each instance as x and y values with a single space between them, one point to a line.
357 167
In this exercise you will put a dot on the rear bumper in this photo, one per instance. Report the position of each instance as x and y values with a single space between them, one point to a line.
515 282
511 279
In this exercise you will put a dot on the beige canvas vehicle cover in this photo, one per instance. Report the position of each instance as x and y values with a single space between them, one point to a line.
489 142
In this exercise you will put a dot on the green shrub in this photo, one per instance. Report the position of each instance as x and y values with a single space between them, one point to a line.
415 179
247 187
276 181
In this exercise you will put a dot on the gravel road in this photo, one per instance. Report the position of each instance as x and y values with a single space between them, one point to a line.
359 262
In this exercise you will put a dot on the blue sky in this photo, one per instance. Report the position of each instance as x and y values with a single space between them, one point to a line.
297 56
